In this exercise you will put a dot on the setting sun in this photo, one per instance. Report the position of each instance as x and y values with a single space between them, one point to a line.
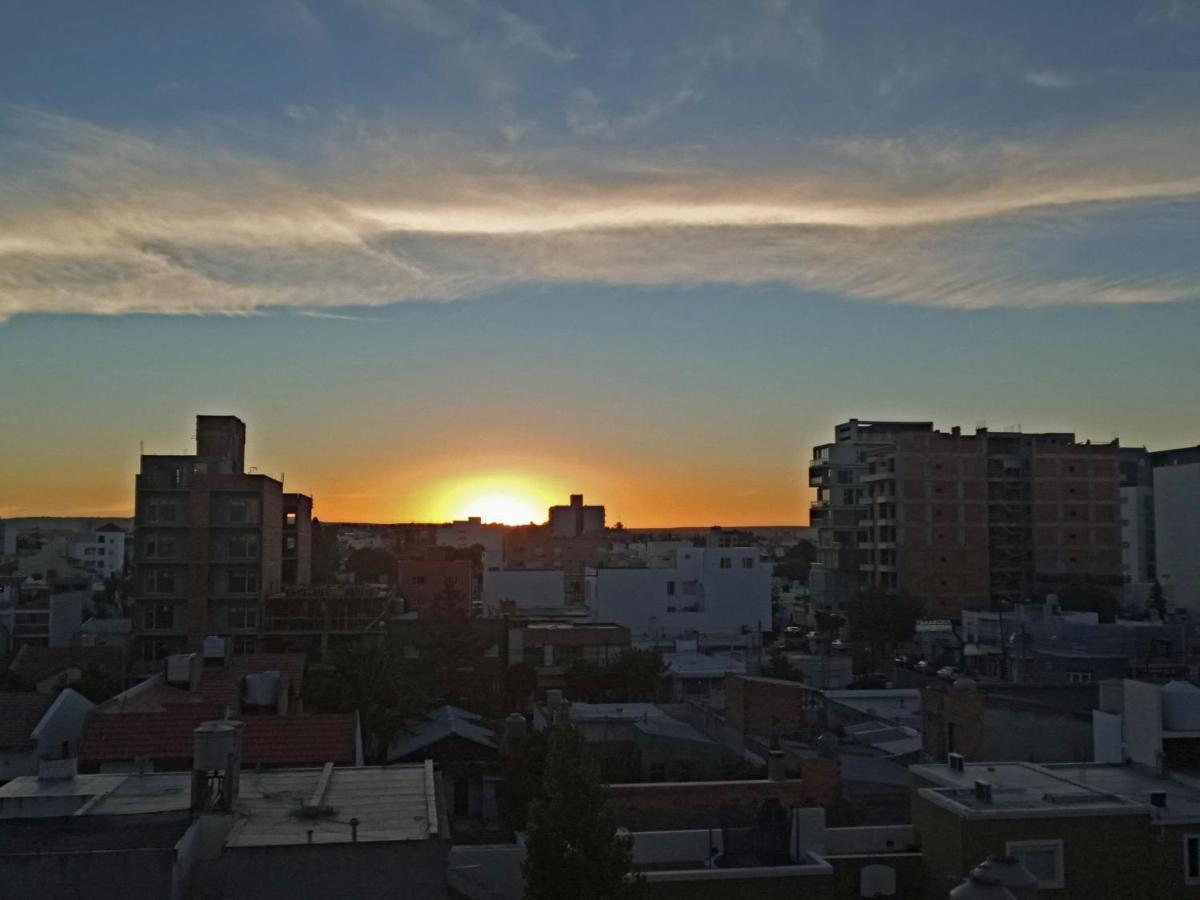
505 498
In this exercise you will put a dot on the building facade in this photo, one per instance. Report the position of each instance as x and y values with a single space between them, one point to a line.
836 471
968 521
211 541
1177 525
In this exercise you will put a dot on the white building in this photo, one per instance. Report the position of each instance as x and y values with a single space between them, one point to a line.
709 592
1177 524
102 551
523 591
471 532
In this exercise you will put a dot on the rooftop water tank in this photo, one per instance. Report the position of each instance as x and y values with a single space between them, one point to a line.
1010 873
1181 706
981 887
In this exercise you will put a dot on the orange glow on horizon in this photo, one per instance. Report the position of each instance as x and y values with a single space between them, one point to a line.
505 498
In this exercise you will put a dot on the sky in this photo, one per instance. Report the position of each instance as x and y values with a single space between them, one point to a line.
451 257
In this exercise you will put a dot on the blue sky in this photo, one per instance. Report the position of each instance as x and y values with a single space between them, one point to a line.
648 250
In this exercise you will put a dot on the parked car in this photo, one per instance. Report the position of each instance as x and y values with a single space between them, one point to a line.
923 666
948 673
837 644
793 630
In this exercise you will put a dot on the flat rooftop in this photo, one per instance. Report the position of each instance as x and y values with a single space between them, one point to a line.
1026 789
391 803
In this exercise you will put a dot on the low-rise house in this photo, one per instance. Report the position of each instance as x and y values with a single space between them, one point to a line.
694 675
1083 830
219 832
771 707
36 726
466 752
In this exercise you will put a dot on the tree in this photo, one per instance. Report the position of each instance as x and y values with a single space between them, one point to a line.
520 680
1083 597
778 666
452 651
574 850
796 562
638 672
96 684
882 619
326 555
370 564
371 678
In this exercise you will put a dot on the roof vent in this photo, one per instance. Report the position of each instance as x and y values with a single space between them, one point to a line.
983 791
956 761
1159 799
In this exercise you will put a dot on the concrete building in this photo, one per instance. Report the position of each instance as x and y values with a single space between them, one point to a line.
966 521
102 551
1138 546
1177 525
575 519
551 647
311 618
439 584
211 541
710 591
771 707
836 471
215 831
1038 643
463 534
1083 830
524 591
1148 724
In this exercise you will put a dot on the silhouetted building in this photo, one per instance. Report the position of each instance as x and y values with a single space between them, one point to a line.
211 540
1177 524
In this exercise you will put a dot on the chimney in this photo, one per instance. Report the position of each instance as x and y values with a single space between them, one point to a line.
983 791
955 761
577 499
776 766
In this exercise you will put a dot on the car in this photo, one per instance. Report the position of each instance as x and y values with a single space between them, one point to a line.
793 629
948 673
923 666
837 644
812 635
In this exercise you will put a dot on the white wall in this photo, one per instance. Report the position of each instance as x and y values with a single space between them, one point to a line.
528 588
696 595
1177 532
1143 721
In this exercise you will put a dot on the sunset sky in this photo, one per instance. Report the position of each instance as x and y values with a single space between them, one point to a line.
440 251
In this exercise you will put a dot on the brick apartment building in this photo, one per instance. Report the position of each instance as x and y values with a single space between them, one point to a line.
442 580
963 521
211 541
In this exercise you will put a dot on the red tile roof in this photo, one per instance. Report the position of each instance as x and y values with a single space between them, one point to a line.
19 715
166 737
219 684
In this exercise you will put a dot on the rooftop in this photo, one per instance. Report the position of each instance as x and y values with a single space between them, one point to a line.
32 664
694 664
438 725
166 737
392 803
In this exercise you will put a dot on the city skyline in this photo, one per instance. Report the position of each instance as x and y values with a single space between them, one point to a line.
433 253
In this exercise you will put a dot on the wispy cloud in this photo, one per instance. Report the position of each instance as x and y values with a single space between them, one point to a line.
1048 78
104 222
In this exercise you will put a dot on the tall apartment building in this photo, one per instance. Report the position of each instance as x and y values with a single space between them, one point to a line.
1177 524
965 521
836 471
211 541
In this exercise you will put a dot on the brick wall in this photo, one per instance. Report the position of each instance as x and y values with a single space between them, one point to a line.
768 705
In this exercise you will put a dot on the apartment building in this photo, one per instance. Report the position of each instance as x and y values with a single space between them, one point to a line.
1177 524
965 521
101 551
575 519
836 470
1138 554
211 540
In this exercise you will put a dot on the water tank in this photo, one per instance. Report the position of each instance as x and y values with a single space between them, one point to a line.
981 887
215 742
1009 872
179 668
1181 706
262 689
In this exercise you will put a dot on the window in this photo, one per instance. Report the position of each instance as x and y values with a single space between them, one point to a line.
747 563
1044 859
243 546
242 616
418 579
726 562
289 542
158 617
160 511
243 581
160 581
291 518
1191 858
670 589
237 511
244 646
1079 676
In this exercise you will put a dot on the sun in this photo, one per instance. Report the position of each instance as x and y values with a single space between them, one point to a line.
503 509
500 497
